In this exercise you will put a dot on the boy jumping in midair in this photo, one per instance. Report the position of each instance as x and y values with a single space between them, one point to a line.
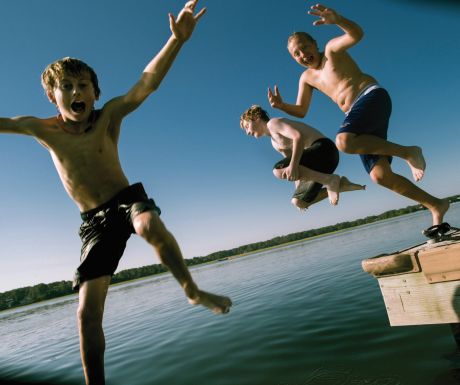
83 144
310 157
367 107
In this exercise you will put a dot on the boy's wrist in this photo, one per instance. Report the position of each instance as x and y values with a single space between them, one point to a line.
340 20
176 40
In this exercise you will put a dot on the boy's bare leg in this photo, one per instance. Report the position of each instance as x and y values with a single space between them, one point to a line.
345 185
330 181
382 174
370 144
92 296
150 227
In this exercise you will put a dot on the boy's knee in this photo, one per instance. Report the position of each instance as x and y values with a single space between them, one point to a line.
382 173
344 142
150 227
278 173
89 316
378 176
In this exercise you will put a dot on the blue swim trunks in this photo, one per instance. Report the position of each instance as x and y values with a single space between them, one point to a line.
369 115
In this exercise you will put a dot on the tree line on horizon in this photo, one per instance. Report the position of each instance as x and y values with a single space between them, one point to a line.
41 292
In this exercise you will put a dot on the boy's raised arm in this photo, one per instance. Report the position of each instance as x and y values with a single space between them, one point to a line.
181 30
299 109
353 32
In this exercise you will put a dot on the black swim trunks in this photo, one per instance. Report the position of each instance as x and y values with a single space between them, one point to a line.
321 156
105 231
370 114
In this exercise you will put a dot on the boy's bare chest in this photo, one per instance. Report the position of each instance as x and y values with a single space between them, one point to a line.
326 78
337 70
86 150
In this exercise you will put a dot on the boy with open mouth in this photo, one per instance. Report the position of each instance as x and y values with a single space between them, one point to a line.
83 144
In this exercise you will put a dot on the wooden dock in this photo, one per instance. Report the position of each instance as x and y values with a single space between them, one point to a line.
420 285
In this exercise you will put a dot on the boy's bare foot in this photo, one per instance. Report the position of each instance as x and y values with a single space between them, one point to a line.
333 189
216 303
416 162
439 210
346 185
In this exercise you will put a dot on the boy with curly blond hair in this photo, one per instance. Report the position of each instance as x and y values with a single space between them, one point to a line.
310 157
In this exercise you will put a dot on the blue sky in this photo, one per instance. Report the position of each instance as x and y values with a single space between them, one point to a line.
214 184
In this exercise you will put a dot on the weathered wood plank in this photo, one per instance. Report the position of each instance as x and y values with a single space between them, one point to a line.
441 264
409 300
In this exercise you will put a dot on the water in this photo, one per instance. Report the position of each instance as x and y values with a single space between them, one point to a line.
303 314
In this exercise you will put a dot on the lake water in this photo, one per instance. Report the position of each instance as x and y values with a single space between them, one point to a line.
303 314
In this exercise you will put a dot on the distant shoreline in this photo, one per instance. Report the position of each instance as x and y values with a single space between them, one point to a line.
43 292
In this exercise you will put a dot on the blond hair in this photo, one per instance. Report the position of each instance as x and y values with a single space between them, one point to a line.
67 66
253 113
299 35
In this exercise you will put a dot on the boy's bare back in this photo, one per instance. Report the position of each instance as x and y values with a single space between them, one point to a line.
281 130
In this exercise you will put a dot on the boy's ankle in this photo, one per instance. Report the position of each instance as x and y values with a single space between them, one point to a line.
191 290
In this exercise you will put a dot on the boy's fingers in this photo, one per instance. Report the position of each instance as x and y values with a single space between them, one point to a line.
199 14
172 22
190 4
319 7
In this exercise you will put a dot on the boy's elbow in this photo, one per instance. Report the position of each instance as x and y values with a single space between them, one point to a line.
150 88
149 83
301 115
297 137
301 112
358 34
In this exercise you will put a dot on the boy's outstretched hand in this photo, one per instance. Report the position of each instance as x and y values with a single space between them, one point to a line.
183 27
275 99
326 15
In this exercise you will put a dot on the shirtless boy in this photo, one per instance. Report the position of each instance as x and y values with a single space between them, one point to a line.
83 145
310 157
367 107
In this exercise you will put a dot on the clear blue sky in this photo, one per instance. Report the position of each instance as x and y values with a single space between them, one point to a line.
214 184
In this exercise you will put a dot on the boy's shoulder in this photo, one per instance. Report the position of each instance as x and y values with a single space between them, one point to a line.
275 123
308 77
276 120
281 120
278 125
